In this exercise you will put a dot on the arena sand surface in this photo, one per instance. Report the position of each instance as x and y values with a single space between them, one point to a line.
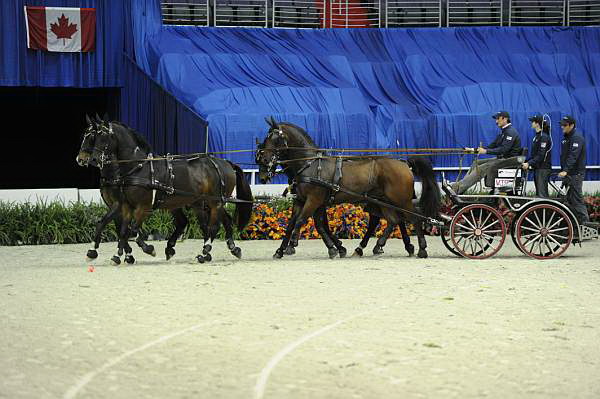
302 327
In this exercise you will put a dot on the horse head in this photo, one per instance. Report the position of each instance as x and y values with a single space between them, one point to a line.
269 151
86 149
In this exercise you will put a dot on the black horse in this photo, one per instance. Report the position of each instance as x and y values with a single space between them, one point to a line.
201 182
322 180
112 196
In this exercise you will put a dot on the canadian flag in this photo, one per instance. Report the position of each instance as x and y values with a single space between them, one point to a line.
61 29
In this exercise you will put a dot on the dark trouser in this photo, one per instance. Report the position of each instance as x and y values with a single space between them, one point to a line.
487 168
575 198
541 178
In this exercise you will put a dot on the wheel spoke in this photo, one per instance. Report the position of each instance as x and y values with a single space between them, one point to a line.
558 235
532 242
555 223
537 218
491 224
559 229
543 216
530 229
486 219
480 246
466 219
532 222
551 219
557 243
493 231
469 229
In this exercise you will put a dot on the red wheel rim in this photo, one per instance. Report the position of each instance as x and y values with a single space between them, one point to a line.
544 231
478 231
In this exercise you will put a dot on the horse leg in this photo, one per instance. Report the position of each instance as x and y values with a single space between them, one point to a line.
421 238
309 208
406 239
336 241
123 231
100 226
228 225
320 222
141 242
381 241
180 225
139 214
373 222
285 247
212 229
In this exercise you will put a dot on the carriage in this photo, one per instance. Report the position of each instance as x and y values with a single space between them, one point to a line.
477 226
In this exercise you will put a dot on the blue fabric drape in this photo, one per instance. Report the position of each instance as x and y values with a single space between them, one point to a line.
20 66
169 125
382 88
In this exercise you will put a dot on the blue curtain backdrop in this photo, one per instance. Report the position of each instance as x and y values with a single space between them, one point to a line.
383 88
355 88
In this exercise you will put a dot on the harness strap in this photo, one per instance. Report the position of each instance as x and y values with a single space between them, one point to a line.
222 185
335 183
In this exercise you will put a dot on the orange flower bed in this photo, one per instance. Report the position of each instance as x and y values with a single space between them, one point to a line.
345 221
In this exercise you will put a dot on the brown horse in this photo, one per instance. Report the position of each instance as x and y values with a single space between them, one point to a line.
322 180
203 183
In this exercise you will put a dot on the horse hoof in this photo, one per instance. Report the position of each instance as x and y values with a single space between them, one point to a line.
150 250
237 252
200 259
377 250
116 261
129 259
207 248
169 252
342 252
422 254
208 257
410 249
92 254
332 252
278 254
290 250
358 252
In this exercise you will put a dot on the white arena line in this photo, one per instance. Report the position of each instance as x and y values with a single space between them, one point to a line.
83 381
261 383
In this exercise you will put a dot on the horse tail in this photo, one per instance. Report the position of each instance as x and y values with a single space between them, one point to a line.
431 198
243 210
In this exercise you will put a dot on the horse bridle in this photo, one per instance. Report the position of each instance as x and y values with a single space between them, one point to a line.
93 131
274 160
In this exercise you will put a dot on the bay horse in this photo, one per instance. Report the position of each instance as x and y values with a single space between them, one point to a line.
322 180
202 182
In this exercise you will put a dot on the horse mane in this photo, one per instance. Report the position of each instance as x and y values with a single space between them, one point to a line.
139 140
302 132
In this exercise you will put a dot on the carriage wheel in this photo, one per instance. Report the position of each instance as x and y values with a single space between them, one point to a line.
544 231
477 231
447 240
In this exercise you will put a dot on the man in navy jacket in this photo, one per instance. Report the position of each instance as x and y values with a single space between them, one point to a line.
506 147
572 164
541 158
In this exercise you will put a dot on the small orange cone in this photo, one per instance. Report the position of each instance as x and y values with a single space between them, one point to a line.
91 269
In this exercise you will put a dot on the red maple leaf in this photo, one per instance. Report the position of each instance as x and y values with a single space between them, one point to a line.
63 30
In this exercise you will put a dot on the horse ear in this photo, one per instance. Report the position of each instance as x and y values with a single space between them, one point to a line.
105 117
269 121
98 119
273 121
87 119
257 141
